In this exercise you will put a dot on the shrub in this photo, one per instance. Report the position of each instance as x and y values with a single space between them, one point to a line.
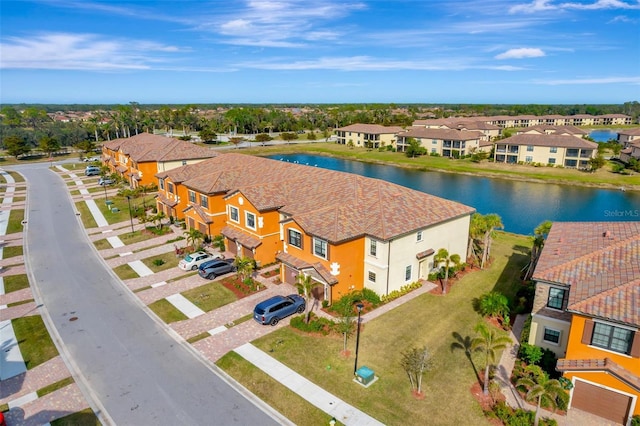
635 420
315 325
530 354
526 330
370 296
158 262
493 304
403 290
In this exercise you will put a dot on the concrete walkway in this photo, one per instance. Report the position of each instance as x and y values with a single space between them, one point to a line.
185 306
311 392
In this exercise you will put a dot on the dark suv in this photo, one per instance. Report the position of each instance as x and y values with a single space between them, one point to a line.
213 268
272 310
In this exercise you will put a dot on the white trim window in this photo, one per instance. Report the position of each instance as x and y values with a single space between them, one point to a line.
419 236
204 201
551 336
320 248
234 214
192 196
557 297
407 273
373 248
613 338
372 277
161 182
294 238
250 220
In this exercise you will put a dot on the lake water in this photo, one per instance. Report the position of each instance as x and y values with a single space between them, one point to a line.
603 135
522 205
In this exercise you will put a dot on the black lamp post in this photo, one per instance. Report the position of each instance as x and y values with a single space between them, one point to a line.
355 365
130 215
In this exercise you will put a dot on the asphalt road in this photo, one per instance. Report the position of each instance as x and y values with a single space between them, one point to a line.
129 365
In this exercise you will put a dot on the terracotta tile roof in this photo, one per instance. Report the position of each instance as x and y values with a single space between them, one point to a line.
372 129
425 253
444 134
549 129
167 202
561 141
316 270
146 147
605 365
630 132
204 216
246 240
600 261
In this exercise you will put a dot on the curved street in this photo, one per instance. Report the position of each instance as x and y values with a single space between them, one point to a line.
129 366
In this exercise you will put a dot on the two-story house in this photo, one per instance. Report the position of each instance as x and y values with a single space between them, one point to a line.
587 310
445 142
367 135
558 150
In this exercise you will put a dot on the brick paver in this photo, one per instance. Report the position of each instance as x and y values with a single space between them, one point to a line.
6 271
153 294
16 296
32 380
24 310
166 275
15 260
138 255
55 405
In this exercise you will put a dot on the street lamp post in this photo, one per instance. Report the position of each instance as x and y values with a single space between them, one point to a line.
130 215
355 365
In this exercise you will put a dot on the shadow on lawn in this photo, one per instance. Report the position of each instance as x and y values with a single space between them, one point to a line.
465 344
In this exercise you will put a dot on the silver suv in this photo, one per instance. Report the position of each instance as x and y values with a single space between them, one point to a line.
92 171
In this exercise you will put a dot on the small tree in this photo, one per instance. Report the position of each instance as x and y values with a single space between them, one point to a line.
288 136
157 219
194 236
346 323
541 389
597 162
488 342
416 362
494 304
304 283
443 256
236 140
218 242
16 146
245 267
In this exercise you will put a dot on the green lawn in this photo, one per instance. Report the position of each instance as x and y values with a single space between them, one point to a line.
15 221
82 418
17 177
427 320
163 262
11 251
125 272
34 340
15 282
210 296
85 215
166 311
602 177
54 386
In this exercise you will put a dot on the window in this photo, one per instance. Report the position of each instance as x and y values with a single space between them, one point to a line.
419 236
234 214
551 335
613 338
320 248
250 220
407 273
553 149
434 142
434 150
161 181
528 159
552 161
529 148
184 162
372 276
295 238
170 188
192 197
204 201
556 298
373 248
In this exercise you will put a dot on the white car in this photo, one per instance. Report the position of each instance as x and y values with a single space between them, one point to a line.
192 261
90 159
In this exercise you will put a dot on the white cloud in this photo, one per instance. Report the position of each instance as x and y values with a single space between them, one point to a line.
546 5
535 6
78 51
523 52
601 80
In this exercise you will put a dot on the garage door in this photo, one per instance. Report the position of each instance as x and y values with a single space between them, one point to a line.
604 403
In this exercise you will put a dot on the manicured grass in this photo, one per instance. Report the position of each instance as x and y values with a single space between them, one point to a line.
602 177
15 221
198 337
292 406
122 204
210 296
125 272
426 320
74 192
241 320
21 302
15 282
34 340
85 215
54 386
12 251
81 418
166 311
169 260
102 244
17 177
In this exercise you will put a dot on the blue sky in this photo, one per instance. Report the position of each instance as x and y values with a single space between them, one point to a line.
323 51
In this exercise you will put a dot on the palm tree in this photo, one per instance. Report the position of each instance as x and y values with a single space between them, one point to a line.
539 238
304 283
449 260
541 389
488 342
492 222
194 236
476 232
245 267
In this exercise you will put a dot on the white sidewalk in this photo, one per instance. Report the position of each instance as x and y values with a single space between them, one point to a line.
313 393
184 305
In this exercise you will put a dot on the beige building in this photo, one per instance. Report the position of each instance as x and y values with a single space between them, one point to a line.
368 135
504 121
628 136
544 129
556 150
444 142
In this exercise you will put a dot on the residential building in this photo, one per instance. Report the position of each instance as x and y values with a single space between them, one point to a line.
346 231
631 151
544 129
486 131
140 157
506 121
368 135
628 136
557 150
587 311
444 142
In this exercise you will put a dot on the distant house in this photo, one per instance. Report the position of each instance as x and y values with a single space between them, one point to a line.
631 151
444 142
140 157
559 150
486 131
553 130
587 310
521 121
368 135
628 136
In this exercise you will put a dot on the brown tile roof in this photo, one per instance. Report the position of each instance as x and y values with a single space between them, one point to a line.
246 240
166 201
630 132
204 216
605 364
549 129
444 134
561 141
146 147
316 270
373 129
601 263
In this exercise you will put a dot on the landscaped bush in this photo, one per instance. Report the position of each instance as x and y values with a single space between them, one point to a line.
635 421
519 417
530 354
315 325
158 262
403 290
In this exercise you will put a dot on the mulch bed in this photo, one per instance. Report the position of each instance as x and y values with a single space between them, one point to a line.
238 287
486 401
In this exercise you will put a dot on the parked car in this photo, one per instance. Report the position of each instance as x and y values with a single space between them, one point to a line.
90 159
213 268
272 310
194 260
105 181
92 171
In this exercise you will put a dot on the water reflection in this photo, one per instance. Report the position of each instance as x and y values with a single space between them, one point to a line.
522 205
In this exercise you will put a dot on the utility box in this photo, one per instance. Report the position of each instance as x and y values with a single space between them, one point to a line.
365 375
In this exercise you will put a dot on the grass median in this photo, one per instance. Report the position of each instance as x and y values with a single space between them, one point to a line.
35 343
